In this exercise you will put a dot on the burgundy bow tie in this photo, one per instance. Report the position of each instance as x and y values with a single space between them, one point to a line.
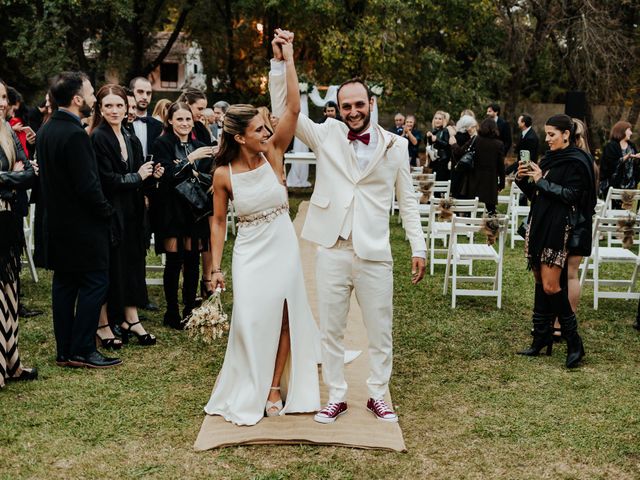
364 138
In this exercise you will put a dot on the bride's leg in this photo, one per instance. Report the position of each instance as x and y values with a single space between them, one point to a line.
284 346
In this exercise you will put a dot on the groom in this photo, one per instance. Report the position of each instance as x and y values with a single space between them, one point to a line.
358 166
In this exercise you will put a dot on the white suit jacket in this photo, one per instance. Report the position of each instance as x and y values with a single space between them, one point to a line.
340 185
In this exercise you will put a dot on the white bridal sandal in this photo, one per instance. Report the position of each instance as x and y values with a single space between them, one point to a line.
273 409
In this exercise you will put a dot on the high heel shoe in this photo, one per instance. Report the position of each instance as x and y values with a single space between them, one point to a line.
145 339
109 343
270 406
205 288
542 336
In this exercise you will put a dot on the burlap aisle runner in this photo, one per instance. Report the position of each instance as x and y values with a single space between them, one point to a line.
357 428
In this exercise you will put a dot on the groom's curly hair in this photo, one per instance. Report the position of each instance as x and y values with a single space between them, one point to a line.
235 123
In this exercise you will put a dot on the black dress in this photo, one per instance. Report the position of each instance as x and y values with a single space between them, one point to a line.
568 182
440 166
171 215
124 189
615 172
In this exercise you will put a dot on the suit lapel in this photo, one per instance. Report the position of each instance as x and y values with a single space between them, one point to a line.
384 140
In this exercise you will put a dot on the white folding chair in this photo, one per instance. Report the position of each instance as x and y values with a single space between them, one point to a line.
516 212
616 194
27 226
441 230
460 253
613 255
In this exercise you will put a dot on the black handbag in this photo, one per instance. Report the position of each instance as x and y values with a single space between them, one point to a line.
467 160
193 194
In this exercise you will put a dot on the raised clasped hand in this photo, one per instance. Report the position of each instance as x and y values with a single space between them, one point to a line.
158 171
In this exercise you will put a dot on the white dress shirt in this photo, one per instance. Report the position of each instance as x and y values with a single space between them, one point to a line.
141 132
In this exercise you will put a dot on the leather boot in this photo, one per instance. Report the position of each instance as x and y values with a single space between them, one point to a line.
541 332
541 335
569 324
170 280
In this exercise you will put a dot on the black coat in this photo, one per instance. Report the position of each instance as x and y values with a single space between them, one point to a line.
171 216
615 173
154 130
487 176
505 134
563 199
531 143
77 214
124 189
440 142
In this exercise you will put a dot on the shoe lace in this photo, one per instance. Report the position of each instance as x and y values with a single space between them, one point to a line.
331 409
381 406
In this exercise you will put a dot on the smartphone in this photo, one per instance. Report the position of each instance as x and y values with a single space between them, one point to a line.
149 158
29 131
525 157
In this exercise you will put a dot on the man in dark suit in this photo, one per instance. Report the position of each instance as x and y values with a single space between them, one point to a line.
528 141
493 111
146 127
76 224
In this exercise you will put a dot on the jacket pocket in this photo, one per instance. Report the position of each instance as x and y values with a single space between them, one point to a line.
320 201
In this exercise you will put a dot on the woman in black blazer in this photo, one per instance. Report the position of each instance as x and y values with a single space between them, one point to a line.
439 139
124 175
181 233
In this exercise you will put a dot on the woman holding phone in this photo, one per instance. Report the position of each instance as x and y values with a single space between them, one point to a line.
557 187
124 176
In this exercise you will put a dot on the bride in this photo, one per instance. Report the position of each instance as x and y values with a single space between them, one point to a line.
270 365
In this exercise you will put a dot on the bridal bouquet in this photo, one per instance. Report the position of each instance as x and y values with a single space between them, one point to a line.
208 321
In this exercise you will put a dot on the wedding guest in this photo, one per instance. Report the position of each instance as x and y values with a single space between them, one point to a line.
77 220
146 127
438 138
330 110
16 173
560 183
527 141
398 124
18 117
619 164
219 109
463 124
123 174
580 241
486 178
493 111
197 101
160 110
181 233
414 136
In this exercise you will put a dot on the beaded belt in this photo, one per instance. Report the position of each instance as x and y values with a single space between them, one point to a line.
266 216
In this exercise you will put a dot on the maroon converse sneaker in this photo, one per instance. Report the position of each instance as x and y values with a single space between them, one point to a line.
381 410
329 413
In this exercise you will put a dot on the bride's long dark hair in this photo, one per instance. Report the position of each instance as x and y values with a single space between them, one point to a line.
235 123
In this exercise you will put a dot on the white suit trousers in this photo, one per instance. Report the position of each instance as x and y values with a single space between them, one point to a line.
338 272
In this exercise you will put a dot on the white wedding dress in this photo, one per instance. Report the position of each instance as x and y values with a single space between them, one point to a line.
267 271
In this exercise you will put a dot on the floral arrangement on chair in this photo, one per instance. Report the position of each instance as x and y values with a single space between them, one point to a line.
491 228
627 199
208 321
425 187
445 209
625 230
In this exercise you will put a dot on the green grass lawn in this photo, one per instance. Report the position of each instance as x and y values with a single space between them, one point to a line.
469 407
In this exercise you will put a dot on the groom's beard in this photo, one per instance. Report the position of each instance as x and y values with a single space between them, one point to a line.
365 123
85 109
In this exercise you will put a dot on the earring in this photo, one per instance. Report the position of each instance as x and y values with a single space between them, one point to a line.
566 140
